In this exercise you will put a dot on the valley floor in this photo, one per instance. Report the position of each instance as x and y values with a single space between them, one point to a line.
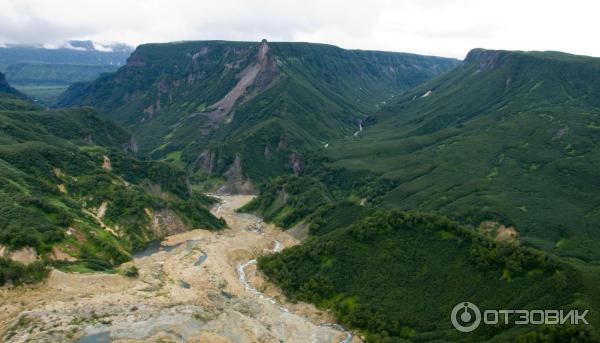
189 290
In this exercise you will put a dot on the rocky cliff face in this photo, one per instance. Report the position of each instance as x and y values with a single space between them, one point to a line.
228 99
130 146
236 182
485 59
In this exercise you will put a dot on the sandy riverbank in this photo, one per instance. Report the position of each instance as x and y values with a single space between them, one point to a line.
178 297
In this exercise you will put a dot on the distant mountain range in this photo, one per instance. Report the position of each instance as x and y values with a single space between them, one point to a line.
44 72
70 52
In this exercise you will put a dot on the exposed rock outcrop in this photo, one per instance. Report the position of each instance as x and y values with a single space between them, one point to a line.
282 144
295 161
106 164
130 146
268 152
261 75
25 255
206 161
236 182
165 222
88 140
485 59
59 255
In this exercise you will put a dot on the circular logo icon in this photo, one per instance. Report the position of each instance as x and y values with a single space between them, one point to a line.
465 317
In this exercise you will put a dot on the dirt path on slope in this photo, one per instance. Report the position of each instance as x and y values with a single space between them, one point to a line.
187 291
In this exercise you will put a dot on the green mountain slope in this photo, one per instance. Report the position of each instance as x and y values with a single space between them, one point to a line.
69 192
505 138
395 277
233 110
7 89
510 136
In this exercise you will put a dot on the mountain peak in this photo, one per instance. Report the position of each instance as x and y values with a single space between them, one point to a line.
485 59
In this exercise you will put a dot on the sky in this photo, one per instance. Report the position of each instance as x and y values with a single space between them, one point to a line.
432 27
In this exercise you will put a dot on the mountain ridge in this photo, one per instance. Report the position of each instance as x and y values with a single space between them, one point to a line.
340 144
305 95
73 197
508 142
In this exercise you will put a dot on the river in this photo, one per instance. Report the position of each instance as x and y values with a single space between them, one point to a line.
196 286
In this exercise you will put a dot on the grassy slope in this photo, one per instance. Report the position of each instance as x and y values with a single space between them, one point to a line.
487 143
319 92
510 135
43 152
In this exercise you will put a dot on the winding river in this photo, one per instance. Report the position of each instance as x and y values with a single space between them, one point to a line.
164 299
244 280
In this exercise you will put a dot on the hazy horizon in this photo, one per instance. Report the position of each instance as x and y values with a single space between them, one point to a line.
451 28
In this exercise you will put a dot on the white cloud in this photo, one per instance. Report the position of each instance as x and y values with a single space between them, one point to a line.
435 27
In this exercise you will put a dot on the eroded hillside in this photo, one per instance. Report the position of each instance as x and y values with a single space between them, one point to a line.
246 109
73 197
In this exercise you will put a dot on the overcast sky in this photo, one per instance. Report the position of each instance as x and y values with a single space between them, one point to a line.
434 27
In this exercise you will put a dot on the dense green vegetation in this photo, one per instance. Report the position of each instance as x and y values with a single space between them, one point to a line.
506 134
303 95
506 137
59 168
396 275
323 196
18 273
